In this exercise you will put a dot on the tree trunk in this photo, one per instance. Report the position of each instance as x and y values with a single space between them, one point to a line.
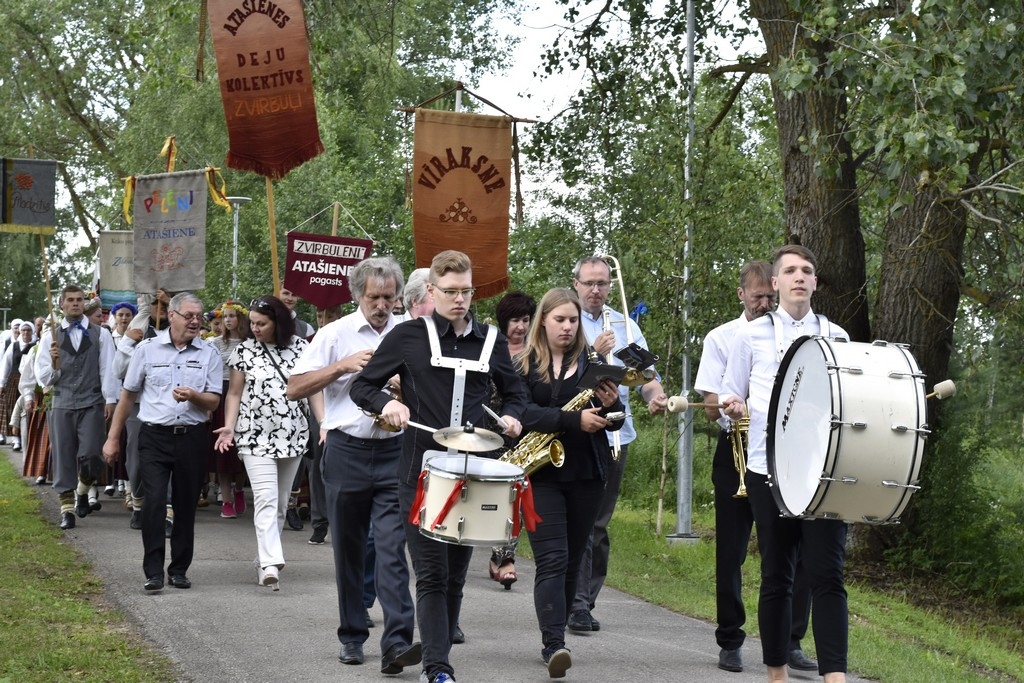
819 180
920 278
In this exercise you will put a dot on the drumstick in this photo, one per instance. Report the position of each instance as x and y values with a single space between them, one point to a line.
425 428
677 404
497 418
944 389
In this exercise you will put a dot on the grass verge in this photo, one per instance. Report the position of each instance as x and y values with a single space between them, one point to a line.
54 625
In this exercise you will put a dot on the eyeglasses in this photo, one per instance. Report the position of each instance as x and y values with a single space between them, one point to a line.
595 284
188 316
452 293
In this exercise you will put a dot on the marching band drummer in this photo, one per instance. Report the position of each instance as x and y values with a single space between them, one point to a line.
566 498
821 543
733 517
446 362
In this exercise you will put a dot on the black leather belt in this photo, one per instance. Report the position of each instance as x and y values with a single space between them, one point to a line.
362 441
175 429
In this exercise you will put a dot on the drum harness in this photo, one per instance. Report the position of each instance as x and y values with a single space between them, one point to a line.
461 366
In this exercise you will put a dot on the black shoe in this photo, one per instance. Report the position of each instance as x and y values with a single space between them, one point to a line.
580 621
292 517
730 660
558 663
351 653
136 520
82 508
458 637
595 625
95 506
801 662
304 512
319 535
154 583
67 521
168 527
179 581
40 481
370 623
400 656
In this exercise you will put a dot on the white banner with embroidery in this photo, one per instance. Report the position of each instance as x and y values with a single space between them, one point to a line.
170 231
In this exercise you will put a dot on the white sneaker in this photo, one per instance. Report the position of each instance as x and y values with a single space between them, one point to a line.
270 578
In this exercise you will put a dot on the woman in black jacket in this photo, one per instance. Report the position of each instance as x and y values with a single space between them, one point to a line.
566 498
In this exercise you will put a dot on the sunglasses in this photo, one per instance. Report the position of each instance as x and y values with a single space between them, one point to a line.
261 305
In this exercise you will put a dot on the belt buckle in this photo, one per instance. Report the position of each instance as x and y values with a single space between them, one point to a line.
180 429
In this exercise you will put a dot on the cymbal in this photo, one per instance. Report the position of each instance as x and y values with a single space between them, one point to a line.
468 438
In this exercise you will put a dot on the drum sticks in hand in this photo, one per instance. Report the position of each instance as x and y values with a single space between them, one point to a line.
944 389
677 404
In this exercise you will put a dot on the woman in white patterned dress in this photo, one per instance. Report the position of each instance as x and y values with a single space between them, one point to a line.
270 432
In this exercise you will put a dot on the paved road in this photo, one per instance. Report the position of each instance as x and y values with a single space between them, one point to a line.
227 628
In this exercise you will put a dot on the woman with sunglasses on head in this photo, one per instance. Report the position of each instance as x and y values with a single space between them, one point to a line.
270 432
566 498
226 464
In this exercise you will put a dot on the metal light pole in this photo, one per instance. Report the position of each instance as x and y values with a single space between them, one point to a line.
684 502
5 316
235 202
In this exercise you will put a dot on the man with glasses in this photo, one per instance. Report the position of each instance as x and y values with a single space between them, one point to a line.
178 378
74 358
592 281
359 468
446 362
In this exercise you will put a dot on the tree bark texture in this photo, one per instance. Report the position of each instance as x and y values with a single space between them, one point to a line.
820 188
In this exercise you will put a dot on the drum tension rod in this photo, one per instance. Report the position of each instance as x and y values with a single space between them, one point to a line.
836 422
896 485
840 480
905 428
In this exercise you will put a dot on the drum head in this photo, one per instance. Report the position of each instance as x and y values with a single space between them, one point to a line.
799 424
474 467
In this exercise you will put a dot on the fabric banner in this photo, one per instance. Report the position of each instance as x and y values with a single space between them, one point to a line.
170 232
265 84
29 187
461 192
317 267
116 267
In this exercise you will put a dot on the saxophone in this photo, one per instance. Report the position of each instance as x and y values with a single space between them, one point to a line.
538 449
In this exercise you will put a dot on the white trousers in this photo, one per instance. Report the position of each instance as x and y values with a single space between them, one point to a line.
271 481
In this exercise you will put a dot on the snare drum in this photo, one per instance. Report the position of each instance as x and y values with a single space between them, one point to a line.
846 430
469 500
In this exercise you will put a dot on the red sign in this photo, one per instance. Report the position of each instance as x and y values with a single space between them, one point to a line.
318 266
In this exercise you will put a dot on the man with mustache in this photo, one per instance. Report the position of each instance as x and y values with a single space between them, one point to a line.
360 468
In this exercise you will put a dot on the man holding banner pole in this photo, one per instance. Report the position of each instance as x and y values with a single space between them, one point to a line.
75 360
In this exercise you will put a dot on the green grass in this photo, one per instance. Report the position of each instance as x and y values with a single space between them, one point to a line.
54 625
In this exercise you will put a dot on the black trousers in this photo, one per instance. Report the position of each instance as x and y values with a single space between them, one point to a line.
440 579
165 456
821 545
361 487
733 522
569 510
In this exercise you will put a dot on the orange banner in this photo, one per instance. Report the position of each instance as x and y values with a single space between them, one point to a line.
265 83
461 192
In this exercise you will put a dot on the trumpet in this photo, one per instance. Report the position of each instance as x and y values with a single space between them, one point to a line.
739 438
637 359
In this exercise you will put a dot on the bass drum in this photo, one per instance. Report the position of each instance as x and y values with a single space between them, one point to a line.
846 430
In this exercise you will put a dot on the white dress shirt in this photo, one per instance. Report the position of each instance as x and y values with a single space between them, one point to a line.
334 342
750 372
713 359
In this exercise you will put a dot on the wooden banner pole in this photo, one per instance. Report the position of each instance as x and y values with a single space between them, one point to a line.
334 223
273 237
